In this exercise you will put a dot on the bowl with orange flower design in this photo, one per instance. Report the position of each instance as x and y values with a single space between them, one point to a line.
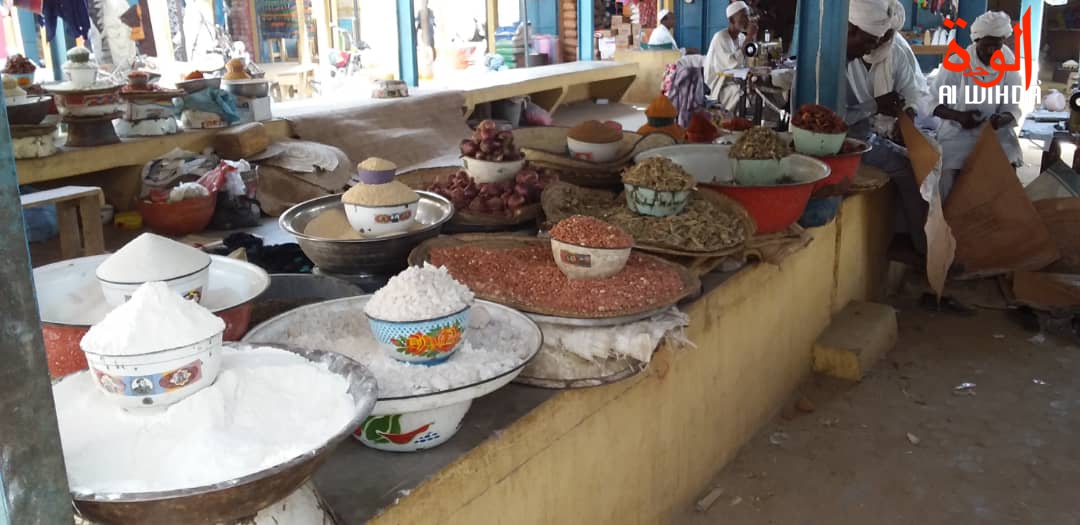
427 342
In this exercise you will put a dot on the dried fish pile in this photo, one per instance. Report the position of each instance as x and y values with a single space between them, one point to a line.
660 174
709 224
703 227
760 143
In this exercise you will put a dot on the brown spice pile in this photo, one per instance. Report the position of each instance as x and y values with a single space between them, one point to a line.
528 276
591 232
818 118
595 132
389 194
758 144
660 174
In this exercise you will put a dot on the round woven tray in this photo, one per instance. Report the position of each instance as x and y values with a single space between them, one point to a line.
422 253
561 200
465 221
546 147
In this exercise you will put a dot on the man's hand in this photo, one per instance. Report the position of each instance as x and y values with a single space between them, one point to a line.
967 119
890 104
752 31
1001 120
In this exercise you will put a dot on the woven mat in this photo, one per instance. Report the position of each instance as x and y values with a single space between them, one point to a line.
406 131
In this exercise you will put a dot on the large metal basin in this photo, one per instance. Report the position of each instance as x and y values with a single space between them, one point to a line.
240 498
384 255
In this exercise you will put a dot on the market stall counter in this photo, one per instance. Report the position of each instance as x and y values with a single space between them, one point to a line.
542 456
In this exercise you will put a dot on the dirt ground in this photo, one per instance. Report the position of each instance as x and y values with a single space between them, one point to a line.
905 446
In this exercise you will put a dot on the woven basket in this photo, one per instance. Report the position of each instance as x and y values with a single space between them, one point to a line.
561 200
465 220
546 147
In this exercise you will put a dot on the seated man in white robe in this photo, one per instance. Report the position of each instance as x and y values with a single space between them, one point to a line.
726 53
962 121
883 82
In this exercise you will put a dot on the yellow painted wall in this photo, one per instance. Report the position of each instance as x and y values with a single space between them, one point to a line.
630 452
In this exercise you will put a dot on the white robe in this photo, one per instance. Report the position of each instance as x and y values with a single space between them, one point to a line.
956 140
661 36
724 53
898 71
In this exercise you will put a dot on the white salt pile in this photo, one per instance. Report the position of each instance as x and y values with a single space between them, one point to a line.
156 318
267 407
417 294
493 346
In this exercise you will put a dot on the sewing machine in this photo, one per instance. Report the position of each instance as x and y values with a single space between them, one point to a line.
763 54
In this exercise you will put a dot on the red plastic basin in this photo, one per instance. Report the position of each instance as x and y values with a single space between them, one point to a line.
773 208
842 168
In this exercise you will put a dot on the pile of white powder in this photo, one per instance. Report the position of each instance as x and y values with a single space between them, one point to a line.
417 294
154 319
493 346
266 407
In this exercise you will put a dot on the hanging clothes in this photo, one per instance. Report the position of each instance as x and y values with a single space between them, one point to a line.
34 6
687 90
74 13
647 11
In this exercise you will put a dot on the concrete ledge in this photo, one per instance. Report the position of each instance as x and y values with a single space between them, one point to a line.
632 451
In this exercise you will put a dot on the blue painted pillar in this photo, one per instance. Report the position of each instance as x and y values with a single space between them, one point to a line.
407 67
586 26
58 50
219 12
1036 7
969 11
28 30
33 483
821 37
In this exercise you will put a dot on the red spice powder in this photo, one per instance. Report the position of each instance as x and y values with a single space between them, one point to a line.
591 232
529 276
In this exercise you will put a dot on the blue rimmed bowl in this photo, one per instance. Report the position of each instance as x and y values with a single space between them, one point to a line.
427 342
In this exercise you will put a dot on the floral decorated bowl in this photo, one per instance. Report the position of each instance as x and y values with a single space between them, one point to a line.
412 431
376 221
582 262
648 201
427 342
160 378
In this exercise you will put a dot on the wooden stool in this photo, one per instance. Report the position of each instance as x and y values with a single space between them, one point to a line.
282 53
74 205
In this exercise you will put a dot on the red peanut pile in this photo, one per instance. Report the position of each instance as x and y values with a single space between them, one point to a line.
591 232
529 276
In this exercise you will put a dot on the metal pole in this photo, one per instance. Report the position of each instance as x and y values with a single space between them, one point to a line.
585 29
33 482
822 59
525 22
410 74
356 21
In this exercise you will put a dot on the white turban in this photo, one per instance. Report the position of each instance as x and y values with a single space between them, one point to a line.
872 16
735 7
899 15
991 23
660 16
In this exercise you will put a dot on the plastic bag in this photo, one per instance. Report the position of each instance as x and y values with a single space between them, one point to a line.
536 115
40 221
235 186
1055 101
160 175
216 101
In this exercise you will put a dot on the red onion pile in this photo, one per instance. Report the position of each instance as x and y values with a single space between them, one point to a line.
495 198
488 143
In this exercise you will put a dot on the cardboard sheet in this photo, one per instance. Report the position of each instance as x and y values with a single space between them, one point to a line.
926 164
996 227
1047 291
